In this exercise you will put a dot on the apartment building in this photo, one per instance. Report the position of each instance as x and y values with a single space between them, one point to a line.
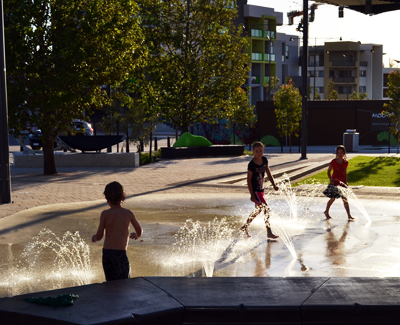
351 66
272 54
386 73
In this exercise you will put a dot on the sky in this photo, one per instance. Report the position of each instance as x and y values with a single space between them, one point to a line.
354 26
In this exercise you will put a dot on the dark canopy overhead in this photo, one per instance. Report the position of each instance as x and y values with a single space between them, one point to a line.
366 6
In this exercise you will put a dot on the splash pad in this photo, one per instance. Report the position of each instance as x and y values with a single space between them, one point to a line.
214 246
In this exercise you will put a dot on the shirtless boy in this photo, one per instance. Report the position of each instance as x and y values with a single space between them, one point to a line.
115 223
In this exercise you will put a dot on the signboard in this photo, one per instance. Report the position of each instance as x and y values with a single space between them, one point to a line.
379 122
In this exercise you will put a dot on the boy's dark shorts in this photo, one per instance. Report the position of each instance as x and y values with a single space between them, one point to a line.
116 264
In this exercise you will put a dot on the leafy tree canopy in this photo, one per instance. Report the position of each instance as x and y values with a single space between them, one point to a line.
59 53
392 109
332 93
197 61
288 103
360 96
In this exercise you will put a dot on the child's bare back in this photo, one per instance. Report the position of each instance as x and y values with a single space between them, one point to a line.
116 225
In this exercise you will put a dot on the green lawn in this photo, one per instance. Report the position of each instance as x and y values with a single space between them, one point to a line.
367 171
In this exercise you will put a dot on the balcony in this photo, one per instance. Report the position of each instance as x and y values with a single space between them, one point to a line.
343 63
262 33
256 33
266 57
256 56
269 33
343 79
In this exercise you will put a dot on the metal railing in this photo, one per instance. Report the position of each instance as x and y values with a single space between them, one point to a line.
343 63
343 79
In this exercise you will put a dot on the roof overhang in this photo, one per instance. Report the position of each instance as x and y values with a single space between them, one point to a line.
366 6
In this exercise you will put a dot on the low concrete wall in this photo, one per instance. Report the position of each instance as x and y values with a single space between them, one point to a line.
66 159
216 300
210 151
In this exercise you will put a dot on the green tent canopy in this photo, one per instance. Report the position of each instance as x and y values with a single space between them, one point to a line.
190 140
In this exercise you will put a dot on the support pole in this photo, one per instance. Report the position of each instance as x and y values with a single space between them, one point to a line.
304 69
5 191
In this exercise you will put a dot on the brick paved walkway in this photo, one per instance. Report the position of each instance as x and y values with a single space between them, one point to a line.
30 188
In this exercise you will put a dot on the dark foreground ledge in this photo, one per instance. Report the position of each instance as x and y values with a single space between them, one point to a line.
168 300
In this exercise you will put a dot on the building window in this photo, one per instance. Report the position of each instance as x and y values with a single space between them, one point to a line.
321 90
343 90
363 89
385 95
321 73
321 60
312 61
311 73
385 79
363 73
287 51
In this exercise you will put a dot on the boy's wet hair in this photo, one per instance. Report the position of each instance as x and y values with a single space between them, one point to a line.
258 144
114 193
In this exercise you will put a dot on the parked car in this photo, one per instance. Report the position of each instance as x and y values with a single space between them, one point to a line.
78 127
34 140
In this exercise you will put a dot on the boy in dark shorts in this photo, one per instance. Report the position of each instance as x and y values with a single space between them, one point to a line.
115 222
255 183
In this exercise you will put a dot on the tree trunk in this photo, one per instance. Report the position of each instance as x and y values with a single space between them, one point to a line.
184 128
49 164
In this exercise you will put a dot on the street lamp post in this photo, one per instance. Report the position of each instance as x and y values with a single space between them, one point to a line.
315 63
348 70
304 69
5 192
269 66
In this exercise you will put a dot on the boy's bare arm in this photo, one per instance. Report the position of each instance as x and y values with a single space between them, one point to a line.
138 228
100 231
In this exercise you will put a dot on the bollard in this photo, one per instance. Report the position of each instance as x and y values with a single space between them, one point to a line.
155 143
168 142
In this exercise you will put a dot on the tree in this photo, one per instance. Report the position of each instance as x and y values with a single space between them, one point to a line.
59 53
197 61
354 96
288 103
242 116
332 93
392 109
132 118
317 95
274 85
360 96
